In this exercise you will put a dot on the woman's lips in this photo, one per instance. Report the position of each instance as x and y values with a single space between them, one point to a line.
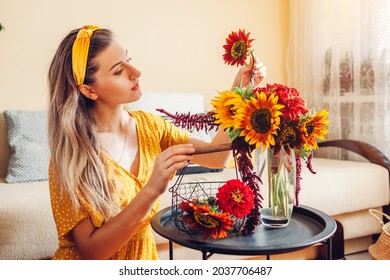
136 87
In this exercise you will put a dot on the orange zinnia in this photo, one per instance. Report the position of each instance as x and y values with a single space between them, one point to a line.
200 217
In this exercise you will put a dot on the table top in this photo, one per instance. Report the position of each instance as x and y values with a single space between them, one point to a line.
307 227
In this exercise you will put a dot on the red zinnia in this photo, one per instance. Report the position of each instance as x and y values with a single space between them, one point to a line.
236 48
201 218
235 197
294 104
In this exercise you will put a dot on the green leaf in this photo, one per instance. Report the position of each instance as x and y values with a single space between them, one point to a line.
1 27
304 153
233 134
246 93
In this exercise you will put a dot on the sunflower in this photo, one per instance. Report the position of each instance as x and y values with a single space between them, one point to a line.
314 127
235 197
259 119
237 47
200 217
289 136
225 108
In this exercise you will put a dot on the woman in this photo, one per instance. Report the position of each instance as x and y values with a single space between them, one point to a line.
109 166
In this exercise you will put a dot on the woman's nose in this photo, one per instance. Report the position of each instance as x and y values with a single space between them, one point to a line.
134 73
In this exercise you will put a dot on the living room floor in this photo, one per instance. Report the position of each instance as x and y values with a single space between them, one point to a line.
359 256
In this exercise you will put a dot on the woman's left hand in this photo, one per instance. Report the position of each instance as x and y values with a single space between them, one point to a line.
244 77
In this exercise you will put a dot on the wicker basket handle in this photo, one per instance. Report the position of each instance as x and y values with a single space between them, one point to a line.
374 213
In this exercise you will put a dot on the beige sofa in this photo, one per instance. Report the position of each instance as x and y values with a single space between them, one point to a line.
343 189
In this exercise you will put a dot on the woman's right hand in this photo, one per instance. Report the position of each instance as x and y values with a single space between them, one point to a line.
167 163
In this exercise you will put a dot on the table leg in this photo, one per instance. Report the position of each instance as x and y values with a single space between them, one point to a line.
170 250
329 248
204 255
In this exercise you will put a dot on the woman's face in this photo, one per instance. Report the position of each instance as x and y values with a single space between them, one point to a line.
116 81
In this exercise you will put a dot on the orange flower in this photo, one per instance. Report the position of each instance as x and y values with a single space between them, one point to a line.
200 217
237 47
314 127
235 197
225 107
259 120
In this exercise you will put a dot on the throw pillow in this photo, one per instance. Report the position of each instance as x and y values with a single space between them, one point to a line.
28 146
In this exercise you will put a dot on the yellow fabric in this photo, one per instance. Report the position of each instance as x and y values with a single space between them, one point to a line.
80 52
154 135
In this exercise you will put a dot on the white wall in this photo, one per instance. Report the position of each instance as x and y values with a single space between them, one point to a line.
177 44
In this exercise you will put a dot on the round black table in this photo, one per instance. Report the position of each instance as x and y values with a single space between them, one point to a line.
307 227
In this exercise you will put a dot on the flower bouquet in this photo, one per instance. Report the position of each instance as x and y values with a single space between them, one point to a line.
272 119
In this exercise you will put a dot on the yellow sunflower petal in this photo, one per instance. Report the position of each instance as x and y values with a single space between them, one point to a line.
259 119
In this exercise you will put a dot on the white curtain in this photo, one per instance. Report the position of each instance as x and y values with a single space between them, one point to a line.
339 59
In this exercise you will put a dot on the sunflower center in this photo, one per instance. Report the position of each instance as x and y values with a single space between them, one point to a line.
261 120
205 220
289 135
232 111
237 196
310 127
238 49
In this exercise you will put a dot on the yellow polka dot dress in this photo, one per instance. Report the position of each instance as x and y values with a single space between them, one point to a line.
154 135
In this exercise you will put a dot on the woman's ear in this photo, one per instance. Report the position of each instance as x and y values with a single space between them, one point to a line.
88 92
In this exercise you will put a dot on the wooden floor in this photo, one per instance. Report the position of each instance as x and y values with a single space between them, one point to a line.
359 256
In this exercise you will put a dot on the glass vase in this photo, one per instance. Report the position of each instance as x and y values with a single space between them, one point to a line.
280 187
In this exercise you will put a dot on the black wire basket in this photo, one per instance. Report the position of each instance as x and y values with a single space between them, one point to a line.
199 192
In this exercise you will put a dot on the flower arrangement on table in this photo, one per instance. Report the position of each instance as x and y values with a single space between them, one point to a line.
273 117
216 216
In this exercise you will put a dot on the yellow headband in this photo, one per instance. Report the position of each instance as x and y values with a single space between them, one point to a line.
80 52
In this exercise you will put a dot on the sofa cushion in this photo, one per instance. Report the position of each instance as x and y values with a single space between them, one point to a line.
359 223
346 186
27 228
28 146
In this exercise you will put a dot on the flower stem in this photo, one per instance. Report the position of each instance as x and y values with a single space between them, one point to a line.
253 67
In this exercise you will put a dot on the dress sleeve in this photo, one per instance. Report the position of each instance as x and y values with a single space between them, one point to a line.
172 135
167 133
66 216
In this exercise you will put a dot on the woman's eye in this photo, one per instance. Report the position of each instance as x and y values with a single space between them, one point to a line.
118 72
121 70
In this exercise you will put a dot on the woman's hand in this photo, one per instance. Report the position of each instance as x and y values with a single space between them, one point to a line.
167 163
243 77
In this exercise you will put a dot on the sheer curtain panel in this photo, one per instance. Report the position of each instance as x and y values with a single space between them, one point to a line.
339 58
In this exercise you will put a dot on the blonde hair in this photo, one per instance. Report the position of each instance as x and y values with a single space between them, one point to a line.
73 140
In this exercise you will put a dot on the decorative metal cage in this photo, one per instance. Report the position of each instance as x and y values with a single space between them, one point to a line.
195 191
